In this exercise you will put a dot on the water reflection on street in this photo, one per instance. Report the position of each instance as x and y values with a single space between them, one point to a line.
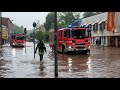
15 63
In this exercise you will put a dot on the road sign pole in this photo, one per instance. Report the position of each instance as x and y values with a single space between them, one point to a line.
34 42
34 25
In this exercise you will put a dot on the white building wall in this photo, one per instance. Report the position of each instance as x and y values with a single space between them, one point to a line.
98 18
106 41
94 18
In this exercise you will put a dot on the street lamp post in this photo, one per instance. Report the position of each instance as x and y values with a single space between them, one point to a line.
34 25
55 49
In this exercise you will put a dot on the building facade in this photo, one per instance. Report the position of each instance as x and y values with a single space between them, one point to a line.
6 22
4 34
0 29
98 27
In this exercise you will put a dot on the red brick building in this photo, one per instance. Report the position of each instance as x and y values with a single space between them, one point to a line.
8 23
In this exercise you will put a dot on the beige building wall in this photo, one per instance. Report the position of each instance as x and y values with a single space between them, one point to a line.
106 37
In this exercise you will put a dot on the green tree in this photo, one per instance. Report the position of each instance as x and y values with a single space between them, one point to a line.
18 29
49 21
46 34
42 33
64 18
88 14
39 35
31 35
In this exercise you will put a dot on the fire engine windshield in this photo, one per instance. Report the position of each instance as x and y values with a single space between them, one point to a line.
79 34
19 38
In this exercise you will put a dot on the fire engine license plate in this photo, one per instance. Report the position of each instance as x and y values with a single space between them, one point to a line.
79 49
19 44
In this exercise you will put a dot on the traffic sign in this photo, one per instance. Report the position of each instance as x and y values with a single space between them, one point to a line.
25 31
34 24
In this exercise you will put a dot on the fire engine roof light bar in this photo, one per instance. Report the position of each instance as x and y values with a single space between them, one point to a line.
79 24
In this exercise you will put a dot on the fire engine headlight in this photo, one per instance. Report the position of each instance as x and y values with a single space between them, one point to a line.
89 47
70 46
13 43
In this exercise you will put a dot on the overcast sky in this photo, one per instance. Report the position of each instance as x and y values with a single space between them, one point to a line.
26 19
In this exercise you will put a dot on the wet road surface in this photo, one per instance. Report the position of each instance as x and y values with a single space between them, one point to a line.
15 63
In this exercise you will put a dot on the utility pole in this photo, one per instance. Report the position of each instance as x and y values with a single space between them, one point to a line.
55 49
0 29
34 25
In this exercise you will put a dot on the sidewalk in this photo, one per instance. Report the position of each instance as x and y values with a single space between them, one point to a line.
5 45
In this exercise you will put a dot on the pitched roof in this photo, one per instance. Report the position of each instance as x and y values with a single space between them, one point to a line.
95 18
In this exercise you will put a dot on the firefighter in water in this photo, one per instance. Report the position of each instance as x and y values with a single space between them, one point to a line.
41 49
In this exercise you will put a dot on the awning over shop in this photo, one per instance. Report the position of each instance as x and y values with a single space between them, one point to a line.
95 22
117 22
102 21
89 23
84 24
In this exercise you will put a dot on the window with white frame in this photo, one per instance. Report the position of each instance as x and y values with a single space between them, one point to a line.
104 24
95 27
91 40
100 26
90 27
104 40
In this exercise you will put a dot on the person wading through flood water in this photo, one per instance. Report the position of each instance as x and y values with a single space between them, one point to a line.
41 49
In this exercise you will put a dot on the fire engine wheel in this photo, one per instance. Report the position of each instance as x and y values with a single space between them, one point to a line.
89 52
85 52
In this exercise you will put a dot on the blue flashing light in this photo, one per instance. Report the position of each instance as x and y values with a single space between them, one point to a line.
69 26
86 26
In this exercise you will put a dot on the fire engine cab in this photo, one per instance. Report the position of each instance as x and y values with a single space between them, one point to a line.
76 39
17 39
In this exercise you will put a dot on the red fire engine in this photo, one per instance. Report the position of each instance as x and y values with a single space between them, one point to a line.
17 39
71 39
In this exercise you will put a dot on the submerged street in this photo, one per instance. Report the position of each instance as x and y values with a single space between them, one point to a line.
15 63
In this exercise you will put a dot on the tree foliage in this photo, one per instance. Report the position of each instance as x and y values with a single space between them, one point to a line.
49 21
18 29
40 33
88 14
64 18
